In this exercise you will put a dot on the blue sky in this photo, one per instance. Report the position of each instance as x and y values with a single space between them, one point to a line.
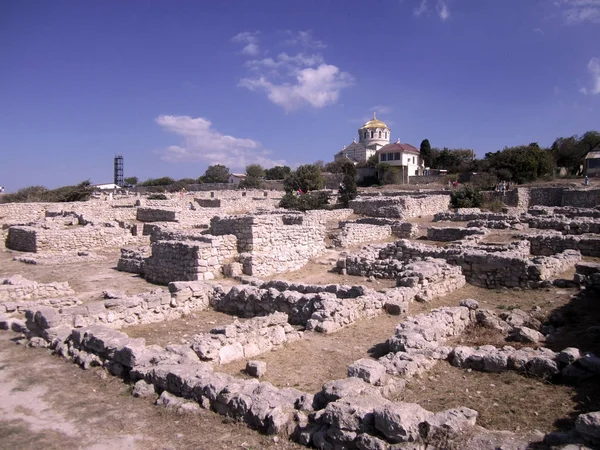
175 86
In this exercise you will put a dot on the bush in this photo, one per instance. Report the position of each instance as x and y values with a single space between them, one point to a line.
305 202
78 193
164 181
347 189
157 197
466 197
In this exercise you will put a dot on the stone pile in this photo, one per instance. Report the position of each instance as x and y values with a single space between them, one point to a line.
17 287
247 339
404 207
454 233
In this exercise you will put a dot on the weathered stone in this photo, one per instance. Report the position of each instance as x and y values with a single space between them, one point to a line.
400 422
368 370
524 334
256 368
143 389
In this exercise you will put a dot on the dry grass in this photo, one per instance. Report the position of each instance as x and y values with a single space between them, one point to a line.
505 401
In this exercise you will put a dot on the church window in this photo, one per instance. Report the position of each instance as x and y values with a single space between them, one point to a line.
365 134
380 135
386 134
371 134
397 156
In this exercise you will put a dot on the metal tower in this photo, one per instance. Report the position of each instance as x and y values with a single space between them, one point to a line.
119 178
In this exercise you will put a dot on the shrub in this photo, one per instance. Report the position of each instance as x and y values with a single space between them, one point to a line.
157 197
305 202
466 197
347 189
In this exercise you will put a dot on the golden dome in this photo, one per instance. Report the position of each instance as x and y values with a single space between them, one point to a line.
374 123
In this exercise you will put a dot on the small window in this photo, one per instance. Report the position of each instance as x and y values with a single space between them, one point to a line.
380 135
413 159
365 134
397 156
372 134
386 134
383 156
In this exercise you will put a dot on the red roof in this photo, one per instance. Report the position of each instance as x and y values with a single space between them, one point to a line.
398 147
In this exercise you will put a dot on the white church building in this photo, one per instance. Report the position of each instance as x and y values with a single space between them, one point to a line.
374 139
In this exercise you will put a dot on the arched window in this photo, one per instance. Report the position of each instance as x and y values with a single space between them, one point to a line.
365 134
372 133
386 134
379 134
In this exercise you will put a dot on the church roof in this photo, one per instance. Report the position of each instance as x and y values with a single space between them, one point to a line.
374 123
398 147
353 146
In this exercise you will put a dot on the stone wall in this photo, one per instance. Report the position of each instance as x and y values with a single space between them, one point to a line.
454 233
491 269
271 244
400 207
580 225
18 288
550 243
133 260
356 233
77 238
247 339
324 308
189 260
157 215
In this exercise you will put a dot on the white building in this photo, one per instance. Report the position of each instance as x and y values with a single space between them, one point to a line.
236 178
371 137
374 139
404 155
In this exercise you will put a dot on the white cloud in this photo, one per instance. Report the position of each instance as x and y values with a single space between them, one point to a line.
381 109
202 143
579 11
297 81
250 39
316 88
539 31
421 9
442 9
285 61
303 38
594 69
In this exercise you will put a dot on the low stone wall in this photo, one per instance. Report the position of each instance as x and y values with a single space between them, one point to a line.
405 230
400 207
119 310
588 275
327 310
188 260
357 233
491 269
133 260
550 243
35 239
468 214
244 340
453 233
17 288
272 243
157 214
580 225
431 278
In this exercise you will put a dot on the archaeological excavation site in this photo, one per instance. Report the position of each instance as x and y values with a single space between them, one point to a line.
224 321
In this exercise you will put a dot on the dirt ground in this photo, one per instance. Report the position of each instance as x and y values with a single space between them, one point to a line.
51 404
505 401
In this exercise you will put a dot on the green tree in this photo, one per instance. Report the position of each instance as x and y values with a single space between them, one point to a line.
521 164
347 190
216 174
163 181
388 174
131 181
426 153
254 174
466 197
277 172
334 166
306 178
570 152
305 202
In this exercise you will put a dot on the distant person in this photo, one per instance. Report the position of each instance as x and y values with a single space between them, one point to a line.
586 181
